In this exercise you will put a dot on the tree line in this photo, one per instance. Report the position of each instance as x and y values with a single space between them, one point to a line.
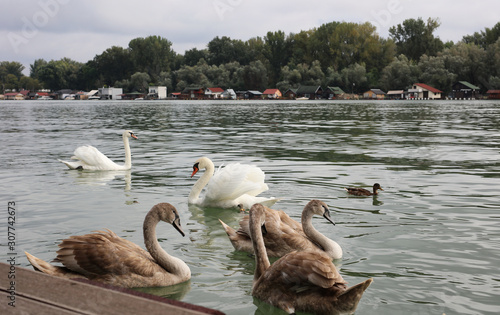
345 54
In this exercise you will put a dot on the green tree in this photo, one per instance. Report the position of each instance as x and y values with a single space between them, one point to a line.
113 64
354 78
255 76
277 52
484 38
415 38
434 73
152 55
139 81
223 50
400 74
193 56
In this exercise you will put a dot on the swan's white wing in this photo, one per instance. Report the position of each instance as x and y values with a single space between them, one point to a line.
94 159
236 180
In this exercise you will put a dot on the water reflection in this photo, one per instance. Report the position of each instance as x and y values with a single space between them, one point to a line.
100 178
176 292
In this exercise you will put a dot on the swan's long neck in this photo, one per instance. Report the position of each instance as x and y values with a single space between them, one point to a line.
261 260
128 154
329 246
170 263
194 195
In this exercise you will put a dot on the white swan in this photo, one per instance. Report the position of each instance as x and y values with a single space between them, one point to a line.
305 281
285 235
89 158
104 257
235 185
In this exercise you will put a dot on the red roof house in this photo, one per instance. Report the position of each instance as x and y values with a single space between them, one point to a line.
213 92
424 91
272 93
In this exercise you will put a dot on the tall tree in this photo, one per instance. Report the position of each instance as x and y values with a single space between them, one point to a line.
415 38
113 64
152 55
401 73
278 53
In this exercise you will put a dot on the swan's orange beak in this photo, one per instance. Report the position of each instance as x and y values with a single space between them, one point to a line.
195 170
133 136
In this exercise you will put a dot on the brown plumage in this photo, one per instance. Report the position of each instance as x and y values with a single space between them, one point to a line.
364 192
103 256
299 281
285 235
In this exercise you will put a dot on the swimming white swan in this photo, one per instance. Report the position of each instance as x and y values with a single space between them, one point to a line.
104 257
235 185
89 158
285 235
305 281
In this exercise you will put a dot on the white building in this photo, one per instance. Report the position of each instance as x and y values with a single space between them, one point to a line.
157 92
110 93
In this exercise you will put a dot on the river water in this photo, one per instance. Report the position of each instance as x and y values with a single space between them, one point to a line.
430 240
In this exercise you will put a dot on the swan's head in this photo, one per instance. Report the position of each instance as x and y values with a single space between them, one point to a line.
320 208
201 163
169 214
129 134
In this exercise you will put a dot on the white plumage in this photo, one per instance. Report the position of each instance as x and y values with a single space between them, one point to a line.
235 185
90 158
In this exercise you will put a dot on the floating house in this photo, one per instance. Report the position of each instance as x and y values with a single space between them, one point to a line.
157 92
311 92
374 94
214 92
424 91
464 90
272 93
493 94
110 93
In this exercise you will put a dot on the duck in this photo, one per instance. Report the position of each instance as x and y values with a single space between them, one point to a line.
305 281
104 257
233 186
90 158
357 191
285 235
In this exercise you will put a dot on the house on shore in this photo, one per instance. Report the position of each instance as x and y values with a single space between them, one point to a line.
493 94
157 93
312 92
193 92
290 94
272 94
333 92
214 93
110 93
465 90
396 94
374 94
424 91
228 94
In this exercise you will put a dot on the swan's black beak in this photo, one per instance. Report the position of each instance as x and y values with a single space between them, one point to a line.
326 215
195 169
177 225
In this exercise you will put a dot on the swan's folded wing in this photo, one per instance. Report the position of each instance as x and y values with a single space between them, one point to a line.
103 253
307 269
92 156
235 180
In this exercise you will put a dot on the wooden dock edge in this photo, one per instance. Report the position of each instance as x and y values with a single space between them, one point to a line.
25 291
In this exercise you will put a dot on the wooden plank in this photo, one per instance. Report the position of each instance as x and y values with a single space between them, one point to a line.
39 293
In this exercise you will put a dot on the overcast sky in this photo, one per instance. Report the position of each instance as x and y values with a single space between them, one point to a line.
53 29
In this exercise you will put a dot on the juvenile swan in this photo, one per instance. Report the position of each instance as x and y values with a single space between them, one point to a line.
89 158
104 257
285 235
304 281
234 186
